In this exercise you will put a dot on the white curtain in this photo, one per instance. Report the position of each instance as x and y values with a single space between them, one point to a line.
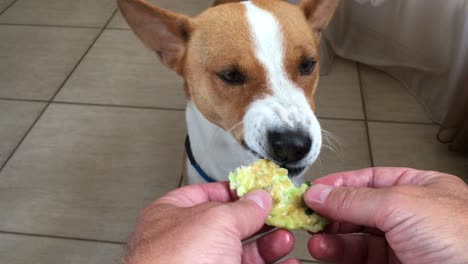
423 43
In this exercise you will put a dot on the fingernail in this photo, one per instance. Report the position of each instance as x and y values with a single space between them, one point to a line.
318 193
259 197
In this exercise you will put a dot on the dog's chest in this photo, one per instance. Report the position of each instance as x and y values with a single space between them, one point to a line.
214 149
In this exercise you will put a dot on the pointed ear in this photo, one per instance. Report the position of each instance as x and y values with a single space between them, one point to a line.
318 12
220 2
164 32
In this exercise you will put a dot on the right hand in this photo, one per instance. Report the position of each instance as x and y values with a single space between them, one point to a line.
401 215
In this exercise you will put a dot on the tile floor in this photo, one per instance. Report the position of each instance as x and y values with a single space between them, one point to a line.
92 128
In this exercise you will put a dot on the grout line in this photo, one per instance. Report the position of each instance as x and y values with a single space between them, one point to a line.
82 57
24 100
23 138
377 121
55 94
8 7
181 109
181 181
402 122
45 25
340 119
93 104
116 28
183 173
121 106
364 109
62 237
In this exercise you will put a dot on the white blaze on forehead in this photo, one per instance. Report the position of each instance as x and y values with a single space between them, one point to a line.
287 106
267 36
266 33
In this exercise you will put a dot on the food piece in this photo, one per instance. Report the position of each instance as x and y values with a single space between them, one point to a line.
289 210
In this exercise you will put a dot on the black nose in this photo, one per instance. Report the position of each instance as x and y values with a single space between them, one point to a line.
289 146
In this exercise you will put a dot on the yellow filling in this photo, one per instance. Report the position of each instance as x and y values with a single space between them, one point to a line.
289 210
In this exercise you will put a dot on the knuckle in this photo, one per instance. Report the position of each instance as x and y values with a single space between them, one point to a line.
345 198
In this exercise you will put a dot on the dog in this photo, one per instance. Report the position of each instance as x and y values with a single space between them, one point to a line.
251 70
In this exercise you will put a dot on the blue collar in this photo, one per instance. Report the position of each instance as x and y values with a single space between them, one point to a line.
194 163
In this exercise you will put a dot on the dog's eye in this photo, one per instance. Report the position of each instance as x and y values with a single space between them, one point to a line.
307 66
232 77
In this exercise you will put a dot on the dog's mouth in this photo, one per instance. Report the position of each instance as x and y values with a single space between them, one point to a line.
253 152
293 171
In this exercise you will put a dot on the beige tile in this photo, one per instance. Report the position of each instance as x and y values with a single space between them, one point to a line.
120 70
15 120
188 7
60 12
42 250
346 149
34 61
4 4
388 99
86 171
404 145
338 94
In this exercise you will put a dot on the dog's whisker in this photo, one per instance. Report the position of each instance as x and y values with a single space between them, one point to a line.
330 135
330 148
320 166
331 139
338 153
330 145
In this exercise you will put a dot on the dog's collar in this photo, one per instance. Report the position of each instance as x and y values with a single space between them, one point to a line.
194 163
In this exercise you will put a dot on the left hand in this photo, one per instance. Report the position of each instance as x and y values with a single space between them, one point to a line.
203 224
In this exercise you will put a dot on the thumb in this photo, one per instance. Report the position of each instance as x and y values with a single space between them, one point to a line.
360 206
248 214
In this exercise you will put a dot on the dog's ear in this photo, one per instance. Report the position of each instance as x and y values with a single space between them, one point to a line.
164 32
318 12
220 2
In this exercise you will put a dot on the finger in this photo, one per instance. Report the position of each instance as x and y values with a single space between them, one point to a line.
247 216
378 177
199 193
269 248
360 206
349 249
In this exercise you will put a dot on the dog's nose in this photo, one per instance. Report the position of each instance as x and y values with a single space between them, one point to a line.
289 146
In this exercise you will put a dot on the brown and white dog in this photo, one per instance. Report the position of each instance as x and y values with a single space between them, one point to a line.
251 72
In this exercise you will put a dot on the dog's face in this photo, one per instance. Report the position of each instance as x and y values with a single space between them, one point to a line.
251 68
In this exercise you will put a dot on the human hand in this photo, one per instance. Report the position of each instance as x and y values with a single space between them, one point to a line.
409 216
202 224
